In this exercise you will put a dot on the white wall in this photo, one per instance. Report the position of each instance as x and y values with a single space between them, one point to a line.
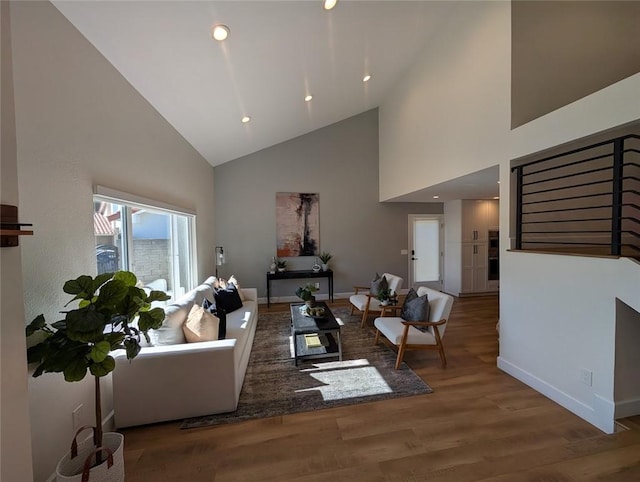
450 114
15 433
79 123
581 293
557 317
449 117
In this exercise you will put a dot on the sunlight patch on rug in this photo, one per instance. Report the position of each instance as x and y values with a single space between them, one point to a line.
344 381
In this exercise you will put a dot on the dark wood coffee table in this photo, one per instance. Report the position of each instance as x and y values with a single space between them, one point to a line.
327 328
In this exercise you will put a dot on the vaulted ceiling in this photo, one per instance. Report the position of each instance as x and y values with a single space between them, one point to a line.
277 53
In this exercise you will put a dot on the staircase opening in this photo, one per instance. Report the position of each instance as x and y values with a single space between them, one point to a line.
626 392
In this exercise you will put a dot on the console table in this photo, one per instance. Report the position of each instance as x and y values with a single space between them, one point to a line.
299 274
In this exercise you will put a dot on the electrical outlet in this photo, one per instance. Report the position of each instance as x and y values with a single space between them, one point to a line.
76 416
586 377
317 285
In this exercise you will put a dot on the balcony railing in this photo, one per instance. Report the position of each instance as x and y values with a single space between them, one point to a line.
584 201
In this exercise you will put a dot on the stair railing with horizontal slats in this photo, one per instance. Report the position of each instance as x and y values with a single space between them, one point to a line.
584 201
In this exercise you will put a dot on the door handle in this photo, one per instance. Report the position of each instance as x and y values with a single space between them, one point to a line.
414 259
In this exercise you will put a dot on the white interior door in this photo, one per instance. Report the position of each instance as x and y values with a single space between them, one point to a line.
426 251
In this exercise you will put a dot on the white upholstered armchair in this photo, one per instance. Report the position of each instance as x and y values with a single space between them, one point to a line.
363 301
405 335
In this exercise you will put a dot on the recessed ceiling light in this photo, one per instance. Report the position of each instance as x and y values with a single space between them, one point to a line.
246 119
498 182
308 98
366 78
436 197
220 32
329 4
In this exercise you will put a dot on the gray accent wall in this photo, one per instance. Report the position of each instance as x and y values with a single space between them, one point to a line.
340 162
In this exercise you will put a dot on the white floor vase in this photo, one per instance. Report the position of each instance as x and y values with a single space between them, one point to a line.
72 469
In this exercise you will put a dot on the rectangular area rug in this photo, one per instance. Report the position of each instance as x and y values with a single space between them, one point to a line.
273 385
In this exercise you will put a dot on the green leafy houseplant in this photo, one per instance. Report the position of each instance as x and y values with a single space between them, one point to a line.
305 293
102 322
282 264
384 294
325 257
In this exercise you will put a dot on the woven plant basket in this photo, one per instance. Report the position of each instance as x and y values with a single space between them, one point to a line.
76 465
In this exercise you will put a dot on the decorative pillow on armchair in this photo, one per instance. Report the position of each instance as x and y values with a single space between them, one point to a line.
220 314
378 284
415 308
227 299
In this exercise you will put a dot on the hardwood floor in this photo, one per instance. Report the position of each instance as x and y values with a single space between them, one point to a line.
479 425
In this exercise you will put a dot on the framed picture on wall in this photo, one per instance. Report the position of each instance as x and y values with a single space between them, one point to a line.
297 224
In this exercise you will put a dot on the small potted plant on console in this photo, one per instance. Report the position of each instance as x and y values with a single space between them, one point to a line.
325 258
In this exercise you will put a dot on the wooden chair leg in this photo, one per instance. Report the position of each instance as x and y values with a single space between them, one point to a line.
377 340
400 356
365 314
443 358
402 346
352 307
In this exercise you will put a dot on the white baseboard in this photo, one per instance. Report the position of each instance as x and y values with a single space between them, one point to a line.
627 408
600 414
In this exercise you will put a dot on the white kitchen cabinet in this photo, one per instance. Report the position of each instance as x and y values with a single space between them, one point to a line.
478 217
467 226
474 267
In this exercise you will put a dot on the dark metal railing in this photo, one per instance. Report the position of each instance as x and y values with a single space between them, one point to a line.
584 201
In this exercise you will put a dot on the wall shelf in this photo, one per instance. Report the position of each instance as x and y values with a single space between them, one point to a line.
10 228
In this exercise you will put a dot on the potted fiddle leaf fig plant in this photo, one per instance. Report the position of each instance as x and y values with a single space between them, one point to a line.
111 314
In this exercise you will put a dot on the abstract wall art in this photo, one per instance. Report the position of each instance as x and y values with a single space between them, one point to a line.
297 224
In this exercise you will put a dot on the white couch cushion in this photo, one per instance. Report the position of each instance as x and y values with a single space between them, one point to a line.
170 333
392 328
360 302
238 326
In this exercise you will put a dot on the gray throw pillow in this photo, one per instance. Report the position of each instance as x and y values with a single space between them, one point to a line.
378 284
416 308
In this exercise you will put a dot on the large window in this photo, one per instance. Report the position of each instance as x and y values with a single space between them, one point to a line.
154 243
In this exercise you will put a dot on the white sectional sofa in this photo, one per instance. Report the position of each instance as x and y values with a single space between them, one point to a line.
173 379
